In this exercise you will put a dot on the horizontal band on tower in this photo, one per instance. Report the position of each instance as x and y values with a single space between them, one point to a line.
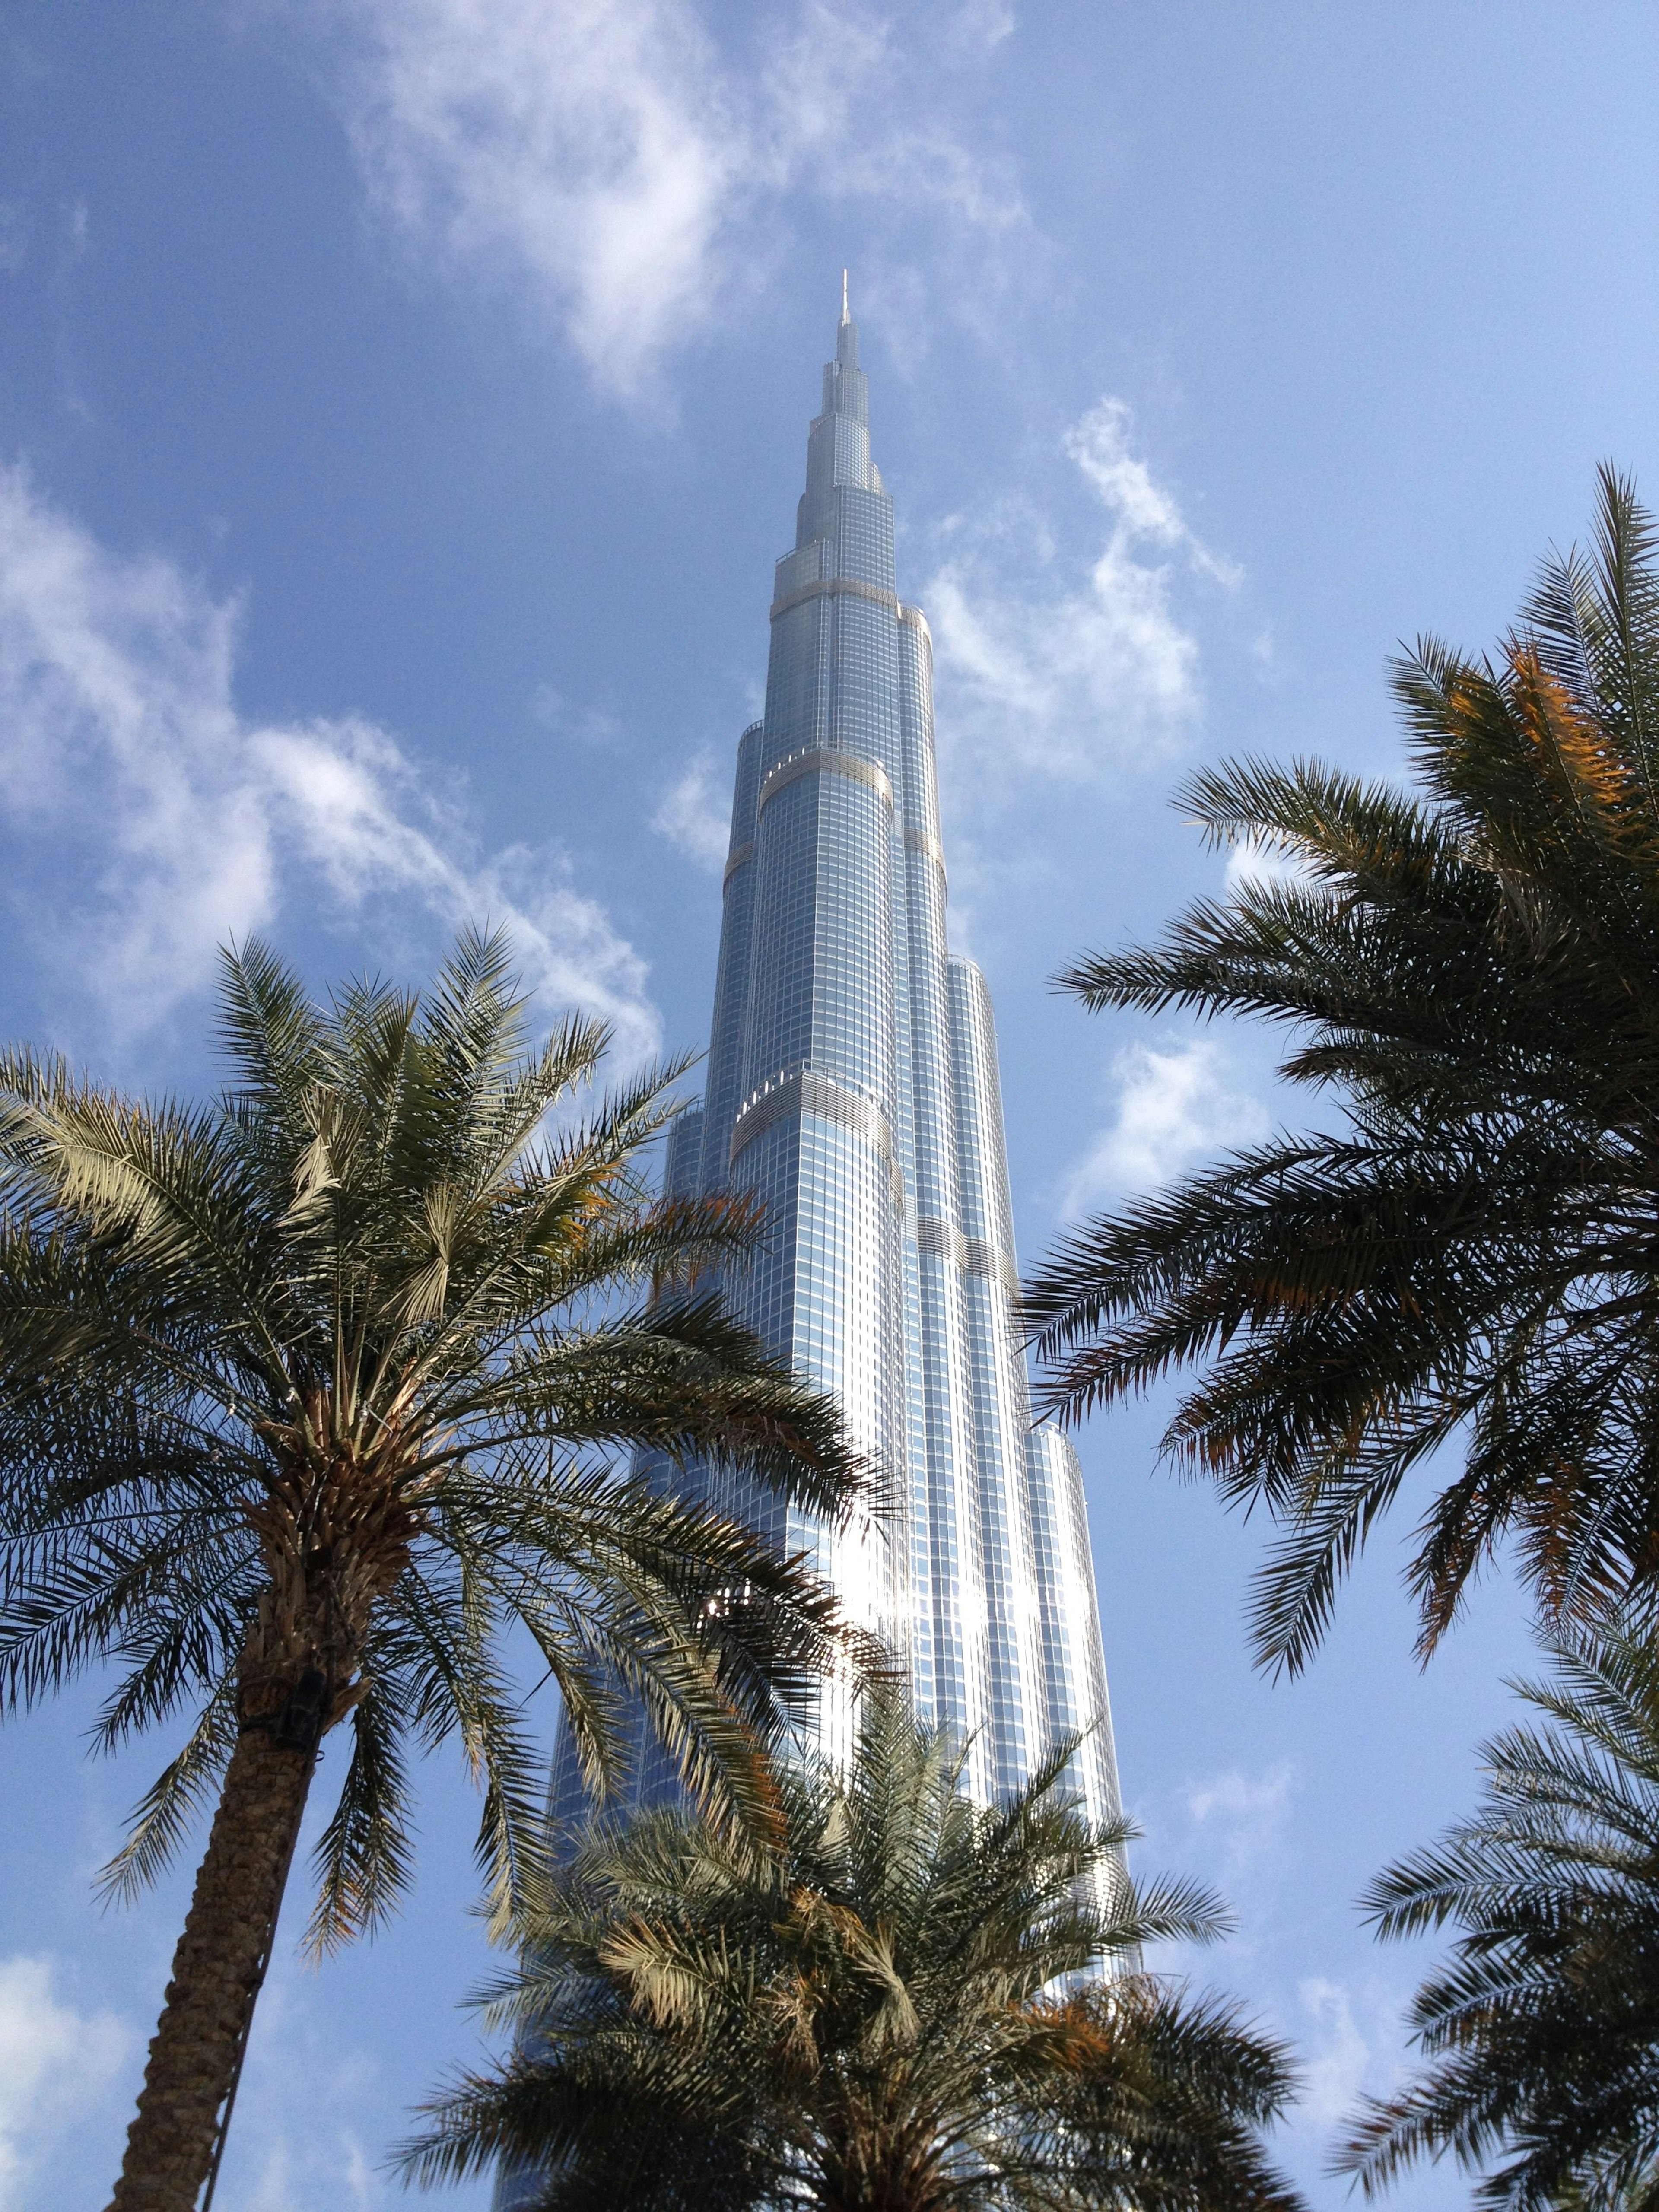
809 1090
738 855
835 587
970 1256
923 841
826 759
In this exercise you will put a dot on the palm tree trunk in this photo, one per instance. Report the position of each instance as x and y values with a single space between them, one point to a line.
215 1976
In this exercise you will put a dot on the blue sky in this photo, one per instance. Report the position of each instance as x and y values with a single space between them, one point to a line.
401 405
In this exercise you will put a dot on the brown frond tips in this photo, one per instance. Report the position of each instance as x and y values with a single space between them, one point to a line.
1453 1263
1538 2038
833 2018
317 1395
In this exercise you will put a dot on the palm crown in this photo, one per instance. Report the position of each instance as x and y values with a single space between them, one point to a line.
307 1394
1544 2030
1470 1255
874 2019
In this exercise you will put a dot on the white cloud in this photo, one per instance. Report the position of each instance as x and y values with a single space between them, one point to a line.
609 152
13 237
590 725
151 820
1336 2061
292 2174
981 25
1235 1795
1039 668
691 817
55 2065
1251 862
1247 1811
1099 444
1173 1107
277 2161
586 142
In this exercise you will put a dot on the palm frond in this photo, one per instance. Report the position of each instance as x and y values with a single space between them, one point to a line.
1460 1261
343 1372
363 1857
875 1998
169 1809
1541 2034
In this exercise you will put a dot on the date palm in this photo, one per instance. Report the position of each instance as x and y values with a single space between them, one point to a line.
902 2011
1543 2031
309 1394
1470 1256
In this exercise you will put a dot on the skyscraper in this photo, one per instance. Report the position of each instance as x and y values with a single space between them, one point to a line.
852 1085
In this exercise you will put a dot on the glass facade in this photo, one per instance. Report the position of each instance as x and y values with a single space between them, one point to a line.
851 1082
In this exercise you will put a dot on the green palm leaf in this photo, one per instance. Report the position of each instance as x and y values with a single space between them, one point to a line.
1466 1259
903 2007
309 1396
1542 2034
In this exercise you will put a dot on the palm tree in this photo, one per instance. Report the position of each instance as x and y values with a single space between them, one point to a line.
898 2012
309 1394
1544 2029
1470 1254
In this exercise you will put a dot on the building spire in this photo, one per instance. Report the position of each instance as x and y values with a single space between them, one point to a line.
845 316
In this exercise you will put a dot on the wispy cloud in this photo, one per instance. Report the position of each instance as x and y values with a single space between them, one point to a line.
1252 862
56 2065
149 819
589 143
616 155
1061 668
690 815
293 2171
1244 1813
1144 511
1229 1828
567 717
299 2064
1173 1109
13 237
1339 2058
1354 2045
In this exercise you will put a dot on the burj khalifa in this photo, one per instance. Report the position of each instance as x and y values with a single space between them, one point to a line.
853 1087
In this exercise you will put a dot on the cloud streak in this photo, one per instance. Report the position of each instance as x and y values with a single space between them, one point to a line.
614 154
589 144
1334 2070
1173 1107
149 819
1249 862
691 817
55 2065
1045 669
1246 1812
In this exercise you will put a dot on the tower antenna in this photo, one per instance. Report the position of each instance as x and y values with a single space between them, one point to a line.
845 317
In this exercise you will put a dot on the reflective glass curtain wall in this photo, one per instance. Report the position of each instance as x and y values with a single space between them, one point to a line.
852 1084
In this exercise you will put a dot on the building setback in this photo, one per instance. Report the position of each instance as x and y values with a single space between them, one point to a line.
852 1085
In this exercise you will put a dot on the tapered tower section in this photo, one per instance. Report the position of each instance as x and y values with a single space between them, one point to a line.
852 1085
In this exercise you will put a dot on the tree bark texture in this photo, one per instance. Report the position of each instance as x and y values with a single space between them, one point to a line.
335 1532
215 1975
